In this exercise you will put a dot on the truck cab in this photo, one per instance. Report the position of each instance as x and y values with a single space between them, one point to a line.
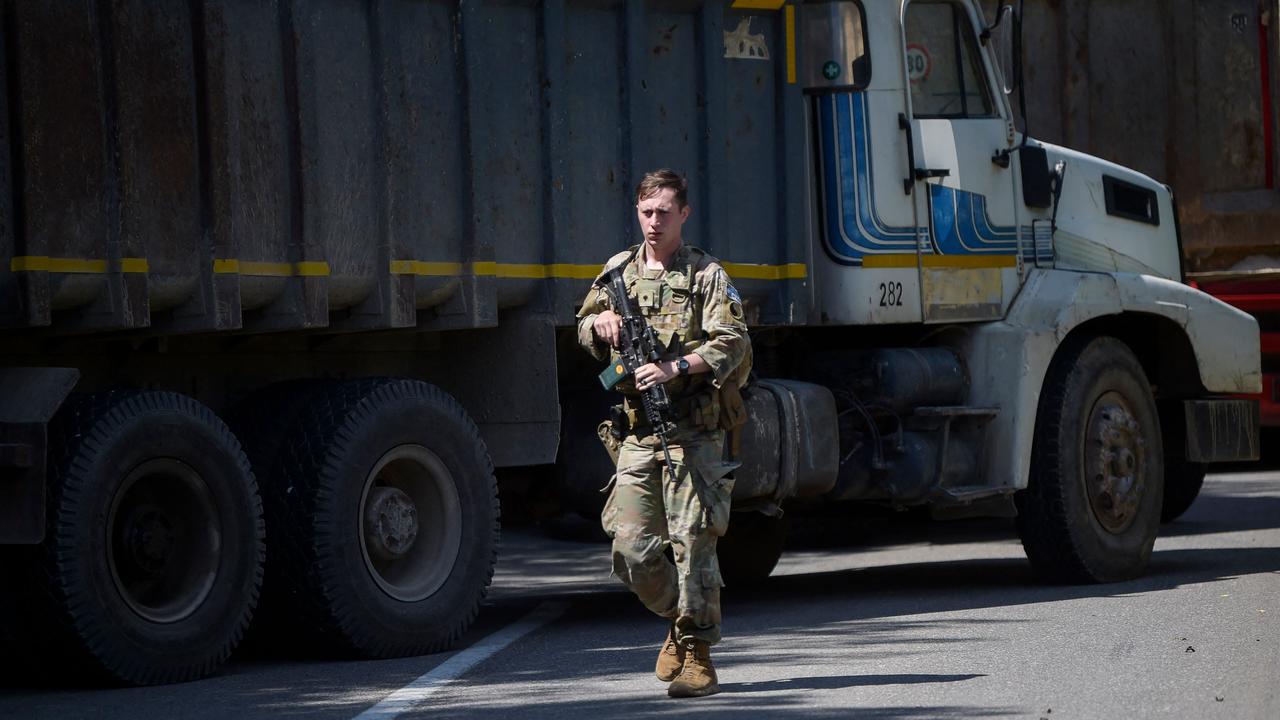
1024 342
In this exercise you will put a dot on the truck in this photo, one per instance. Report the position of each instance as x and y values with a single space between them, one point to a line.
285 281
1190 100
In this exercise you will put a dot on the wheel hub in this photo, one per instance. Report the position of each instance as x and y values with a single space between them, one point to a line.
390 523
410 522
150 539
1114 463
164 540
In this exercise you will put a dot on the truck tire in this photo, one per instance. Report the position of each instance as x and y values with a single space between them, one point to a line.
1182 483
582 464
751 548
262 422
1092 507
383 514
152 563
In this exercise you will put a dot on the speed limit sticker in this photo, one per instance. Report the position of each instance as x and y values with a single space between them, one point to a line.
919 64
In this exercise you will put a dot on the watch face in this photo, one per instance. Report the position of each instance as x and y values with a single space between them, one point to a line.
682 365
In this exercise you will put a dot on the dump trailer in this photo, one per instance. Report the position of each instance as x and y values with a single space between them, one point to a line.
283 283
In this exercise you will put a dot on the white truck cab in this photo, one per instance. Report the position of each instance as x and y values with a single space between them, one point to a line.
1061 369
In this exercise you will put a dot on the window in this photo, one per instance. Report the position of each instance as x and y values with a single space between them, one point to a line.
834 48
943 64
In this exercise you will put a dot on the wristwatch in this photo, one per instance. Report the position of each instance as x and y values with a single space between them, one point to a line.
682 366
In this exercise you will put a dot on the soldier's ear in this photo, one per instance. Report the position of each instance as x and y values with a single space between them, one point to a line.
684 212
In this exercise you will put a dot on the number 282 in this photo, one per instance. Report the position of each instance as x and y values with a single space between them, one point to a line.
890 294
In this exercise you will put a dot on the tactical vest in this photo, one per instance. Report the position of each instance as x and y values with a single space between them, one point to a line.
675 313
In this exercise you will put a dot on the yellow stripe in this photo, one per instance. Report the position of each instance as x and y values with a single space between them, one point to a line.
29 263
312 268
266 269
418 267
134 265
521 271
757 4
575 272
751 271
791 44
571 271
82 266
944 261
309 268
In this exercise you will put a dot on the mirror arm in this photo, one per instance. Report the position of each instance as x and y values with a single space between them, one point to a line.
985 35
1019 80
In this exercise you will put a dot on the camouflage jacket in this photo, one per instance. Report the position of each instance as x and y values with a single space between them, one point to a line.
693 302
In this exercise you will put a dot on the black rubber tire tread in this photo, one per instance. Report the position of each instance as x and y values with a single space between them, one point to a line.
1182 483
582 464
76 614
262 422
311 502
751 548
1062 538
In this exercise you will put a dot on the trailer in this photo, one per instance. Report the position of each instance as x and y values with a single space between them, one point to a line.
283 282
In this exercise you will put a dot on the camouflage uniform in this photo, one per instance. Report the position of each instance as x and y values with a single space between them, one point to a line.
647 511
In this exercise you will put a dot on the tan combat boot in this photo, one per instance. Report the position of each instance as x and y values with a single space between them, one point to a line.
698 677
670 658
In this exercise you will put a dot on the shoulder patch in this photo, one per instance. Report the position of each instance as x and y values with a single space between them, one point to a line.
732 292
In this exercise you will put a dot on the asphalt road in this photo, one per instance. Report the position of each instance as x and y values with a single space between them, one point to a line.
925 621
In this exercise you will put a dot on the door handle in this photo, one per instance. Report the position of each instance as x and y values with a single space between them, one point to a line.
927 173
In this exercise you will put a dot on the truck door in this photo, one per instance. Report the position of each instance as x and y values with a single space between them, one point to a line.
959 122
871 230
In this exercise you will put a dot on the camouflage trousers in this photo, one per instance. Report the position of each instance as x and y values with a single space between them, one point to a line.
647 512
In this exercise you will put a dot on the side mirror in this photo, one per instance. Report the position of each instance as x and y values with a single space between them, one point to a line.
1037 180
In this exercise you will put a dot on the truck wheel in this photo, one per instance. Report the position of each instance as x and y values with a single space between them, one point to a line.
582 464
1092 506
153 558
750 550
384 519
1182 483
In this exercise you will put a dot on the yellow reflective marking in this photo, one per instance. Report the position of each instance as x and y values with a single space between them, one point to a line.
521 271
29 263
307 268
419 267
757 4
81 266
752 271
134 265
575 272
791 44
903 260
315 268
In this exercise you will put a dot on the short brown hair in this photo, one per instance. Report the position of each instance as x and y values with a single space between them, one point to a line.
658 180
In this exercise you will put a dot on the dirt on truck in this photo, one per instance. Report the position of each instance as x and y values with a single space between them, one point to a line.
282 283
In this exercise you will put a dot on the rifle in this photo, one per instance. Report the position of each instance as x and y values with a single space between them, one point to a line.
638 346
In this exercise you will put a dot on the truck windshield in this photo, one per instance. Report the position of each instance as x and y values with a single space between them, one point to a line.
834 46
943 64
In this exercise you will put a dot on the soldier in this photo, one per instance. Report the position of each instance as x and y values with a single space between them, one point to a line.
686 296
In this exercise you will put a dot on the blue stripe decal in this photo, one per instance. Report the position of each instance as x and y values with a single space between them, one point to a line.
855 229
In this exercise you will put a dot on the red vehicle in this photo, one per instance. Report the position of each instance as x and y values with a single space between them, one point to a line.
1257 293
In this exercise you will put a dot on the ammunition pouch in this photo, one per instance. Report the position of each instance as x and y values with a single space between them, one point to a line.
701 411
612 443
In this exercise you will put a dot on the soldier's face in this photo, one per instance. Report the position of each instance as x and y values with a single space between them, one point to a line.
661 217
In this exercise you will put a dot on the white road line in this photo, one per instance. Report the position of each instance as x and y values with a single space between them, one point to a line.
420 690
